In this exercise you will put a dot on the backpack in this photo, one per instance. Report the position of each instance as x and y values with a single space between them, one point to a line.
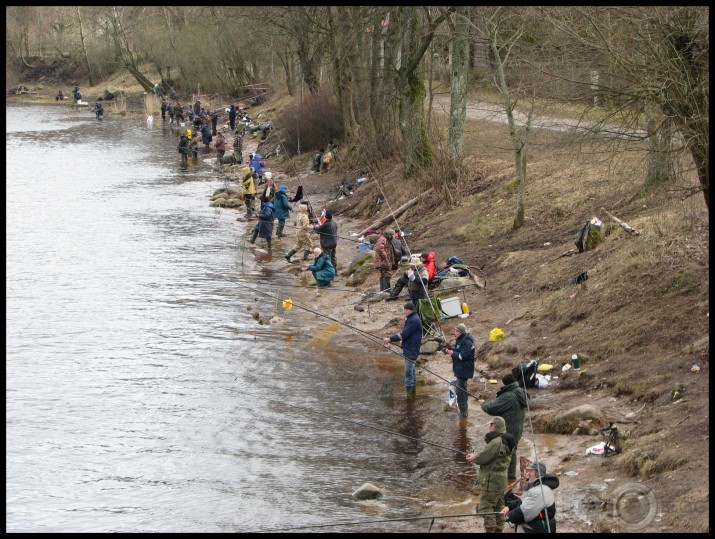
525 373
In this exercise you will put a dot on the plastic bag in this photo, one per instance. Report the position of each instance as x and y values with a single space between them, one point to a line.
496 335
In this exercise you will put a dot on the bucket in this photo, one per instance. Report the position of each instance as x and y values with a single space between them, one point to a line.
575 362
465 308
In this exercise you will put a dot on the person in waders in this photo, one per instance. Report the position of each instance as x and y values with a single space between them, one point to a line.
384 258
184 148
302 234
249 191
462 354
281 208
493 462
264 226
411 338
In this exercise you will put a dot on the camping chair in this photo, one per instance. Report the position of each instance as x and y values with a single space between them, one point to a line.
430 313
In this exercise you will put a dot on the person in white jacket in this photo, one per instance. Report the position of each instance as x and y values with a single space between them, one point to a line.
535 510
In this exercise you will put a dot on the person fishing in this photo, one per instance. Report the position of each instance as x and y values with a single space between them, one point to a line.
493 462
184 148
76 94
462 354
411 338
302 234
281 209
535 509
98 110
321 268
264 226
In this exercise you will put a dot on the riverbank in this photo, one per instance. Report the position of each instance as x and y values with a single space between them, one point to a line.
641 318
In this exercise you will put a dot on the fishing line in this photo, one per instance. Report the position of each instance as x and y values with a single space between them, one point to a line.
369 336
334 235
357 522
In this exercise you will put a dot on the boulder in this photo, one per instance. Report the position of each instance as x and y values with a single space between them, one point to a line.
585 411
110 93
367 492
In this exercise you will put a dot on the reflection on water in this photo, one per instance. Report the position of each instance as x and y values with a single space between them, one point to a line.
142 396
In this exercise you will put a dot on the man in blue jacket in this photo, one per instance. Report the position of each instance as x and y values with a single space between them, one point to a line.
411 337
462 354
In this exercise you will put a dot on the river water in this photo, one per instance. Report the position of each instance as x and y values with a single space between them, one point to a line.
142 396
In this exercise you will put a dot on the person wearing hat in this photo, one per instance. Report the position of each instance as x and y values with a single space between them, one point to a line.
264 226
411 338
417 287
493 462
534 511
384 259
328 232
281 209
249 191
462 354
322 268
257 165
302 234
510 403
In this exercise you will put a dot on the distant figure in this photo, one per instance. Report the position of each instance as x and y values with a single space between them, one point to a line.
238 147
317 161
171 111
257 165
206 137
179 111
249 191
155 88
384 258
77 95
60 96
194 145
98 110
184 148
197 107
163 108
281 207
214 121
220 149
232 117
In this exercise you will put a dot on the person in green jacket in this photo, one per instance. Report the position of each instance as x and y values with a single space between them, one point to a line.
510 404
493 462
183 148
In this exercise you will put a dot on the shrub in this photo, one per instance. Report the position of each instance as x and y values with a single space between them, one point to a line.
312 122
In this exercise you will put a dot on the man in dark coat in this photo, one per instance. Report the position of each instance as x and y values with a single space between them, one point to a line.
411 337
206 137
264 227
232 117
462 354
214 121
163 108
328 232
510 403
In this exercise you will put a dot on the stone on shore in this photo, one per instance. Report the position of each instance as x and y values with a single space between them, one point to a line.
368 492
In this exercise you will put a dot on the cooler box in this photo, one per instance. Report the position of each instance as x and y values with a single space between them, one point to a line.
451 307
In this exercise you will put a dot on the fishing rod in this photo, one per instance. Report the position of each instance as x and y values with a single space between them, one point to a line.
369 336
327 234
358 522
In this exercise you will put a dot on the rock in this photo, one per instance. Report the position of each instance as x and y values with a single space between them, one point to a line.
594 432
110 93
585 411
276 320
367 492
429 347
359 308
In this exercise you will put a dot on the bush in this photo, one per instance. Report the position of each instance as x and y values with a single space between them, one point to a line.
312 122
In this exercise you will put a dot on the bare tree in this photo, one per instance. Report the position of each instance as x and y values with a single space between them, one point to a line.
458 103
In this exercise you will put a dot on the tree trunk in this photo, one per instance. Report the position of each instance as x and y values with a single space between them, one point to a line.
394 215
458 104
85 57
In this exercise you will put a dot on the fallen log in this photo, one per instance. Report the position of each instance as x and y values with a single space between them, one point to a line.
625 226
377 225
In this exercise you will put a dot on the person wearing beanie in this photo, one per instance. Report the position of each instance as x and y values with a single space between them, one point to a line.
462 354
527 510
493 461
302 234
328 232
281 209
384 259
510 403
411 339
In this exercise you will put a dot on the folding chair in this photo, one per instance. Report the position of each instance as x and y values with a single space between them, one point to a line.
431 314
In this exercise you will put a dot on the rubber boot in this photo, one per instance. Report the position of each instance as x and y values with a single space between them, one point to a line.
385 285
395 291
254 236
306 254
268 241
279 232
289 254
410 391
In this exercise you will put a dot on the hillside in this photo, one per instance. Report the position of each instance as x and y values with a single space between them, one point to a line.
641 319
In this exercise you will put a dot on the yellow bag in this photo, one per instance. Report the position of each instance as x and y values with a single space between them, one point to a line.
496 335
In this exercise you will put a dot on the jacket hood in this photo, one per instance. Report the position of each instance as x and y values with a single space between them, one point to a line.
549 479
269 204
430 256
